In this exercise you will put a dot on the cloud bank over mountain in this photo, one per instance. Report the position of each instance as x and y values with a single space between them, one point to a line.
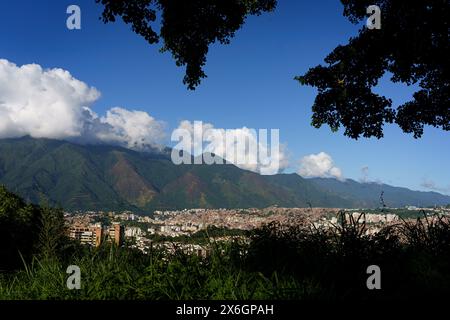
53 104
319 165
246 148
431 185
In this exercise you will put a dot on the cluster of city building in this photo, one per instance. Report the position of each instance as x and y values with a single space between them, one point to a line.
173 223
139 231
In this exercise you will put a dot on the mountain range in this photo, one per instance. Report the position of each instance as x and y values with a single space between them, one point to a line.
100 177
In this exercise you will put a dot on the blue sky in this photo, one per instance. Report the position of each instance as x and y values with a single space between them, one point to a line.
250 82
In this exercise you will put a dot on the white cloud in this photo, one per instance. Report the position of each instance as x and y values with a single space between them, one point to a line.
431 185
364 174
264 158
319 165
53 104
133 129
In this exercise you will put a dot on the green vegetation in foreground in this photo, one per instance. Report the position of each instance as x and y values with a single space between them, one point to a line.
276 263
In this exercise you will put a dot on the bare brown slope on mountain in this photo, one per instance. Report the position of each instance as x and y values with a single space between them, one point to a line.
129 184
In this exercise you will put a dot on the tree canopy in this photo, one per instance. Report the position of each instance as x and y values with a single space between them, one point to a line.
412 45
187 27
26 229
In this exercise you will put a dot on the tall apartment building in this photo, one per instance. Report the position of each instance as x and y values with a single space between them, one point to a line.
91 235
116 233
94 235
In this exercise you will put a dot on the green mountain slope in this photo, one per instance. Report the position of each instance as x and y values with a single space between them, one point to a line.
78 177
